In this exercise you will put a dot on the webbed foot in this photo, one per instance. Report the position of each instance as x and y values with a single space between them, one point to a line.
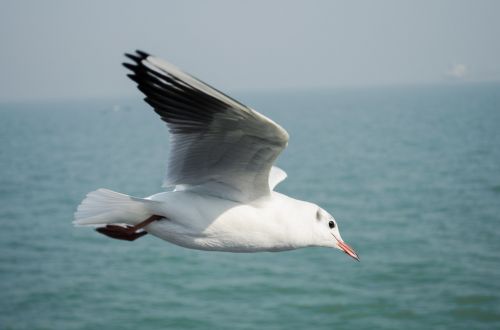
127 233
119 232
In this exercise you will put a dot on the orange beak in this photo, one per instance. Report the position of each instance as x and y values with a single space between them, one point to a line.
348 250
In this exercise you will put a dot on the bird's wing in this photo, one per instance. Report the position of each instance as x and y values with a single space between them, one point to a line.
218 145
276 175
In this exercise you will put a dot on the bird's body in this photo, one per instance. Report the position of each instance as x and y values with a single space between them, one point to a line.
272 223
220 174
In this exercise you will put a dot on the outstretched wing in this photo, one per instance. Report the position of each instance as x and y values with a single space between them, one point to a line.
218 145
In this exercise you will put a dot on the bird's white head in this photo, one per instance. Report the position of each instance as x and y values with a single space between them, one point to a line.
326 233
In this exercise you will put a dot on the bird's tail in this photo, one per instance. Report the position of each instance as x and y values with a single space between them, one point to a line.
105 206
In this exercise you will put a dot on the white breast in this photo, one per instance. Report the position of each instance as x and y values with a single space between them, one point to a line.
209 223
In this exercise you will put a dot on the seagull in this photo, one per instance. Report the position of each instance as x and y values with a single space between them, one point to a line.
220 178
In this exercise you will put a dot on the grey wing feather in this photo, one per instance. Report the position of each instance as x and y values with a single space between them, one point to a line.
218 145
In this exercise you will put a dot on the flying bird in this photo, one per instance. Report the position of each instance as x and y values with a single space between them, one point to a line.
220 173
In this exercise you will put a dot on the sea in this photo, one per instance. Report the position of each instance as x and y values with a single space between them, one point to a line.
410 173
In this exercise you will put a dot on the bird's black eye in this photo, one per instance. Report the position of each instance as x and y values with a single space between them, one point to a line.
331 224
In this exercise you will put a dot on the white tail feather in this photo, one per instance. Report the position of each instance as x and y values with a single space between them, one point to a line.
105 206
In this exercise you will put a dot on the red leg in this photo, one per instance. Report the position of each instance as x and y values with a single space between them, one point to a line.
128 233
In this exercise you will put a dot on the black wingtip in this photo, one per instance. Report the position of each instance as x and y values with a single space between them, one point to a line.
133 57
133 77
130 66
138 57
148 101
142 54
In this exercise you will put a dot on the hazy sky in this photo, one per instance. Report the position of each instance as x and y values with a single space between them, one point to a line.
70 49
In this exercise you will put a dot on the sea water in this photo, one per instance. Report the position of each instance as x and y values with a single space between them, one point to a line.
412 175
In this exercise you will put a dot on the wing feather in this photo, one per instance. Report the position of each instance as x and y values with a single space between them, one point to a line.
218 145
